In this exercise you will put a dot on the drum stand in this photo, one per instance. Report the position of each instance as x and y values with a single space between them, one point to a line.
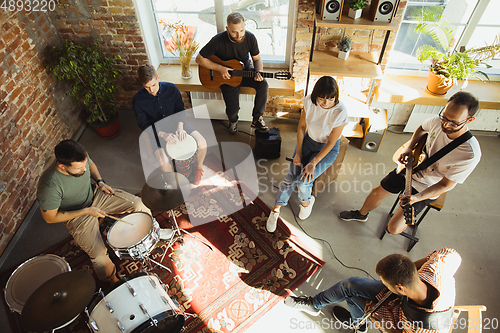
177 233
147 266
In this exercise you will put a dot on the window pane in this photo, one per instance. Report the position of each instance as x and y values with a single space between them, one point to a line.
268 20
197 15
408 41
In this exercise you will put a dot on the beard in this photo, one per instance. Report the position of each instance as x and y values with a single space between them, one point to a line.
451 131
79 174
236 41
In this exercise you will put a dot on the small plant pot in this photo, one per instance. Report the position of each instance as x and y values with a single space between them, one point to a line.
344 55
354 14
436 85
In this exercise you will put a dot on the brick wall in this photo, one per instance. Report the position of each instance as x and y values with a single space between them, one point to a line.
115 23
34 113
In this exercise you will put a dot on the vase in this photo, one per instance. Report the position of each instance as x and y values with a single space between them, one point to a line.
186 71
344 55
436 85
354 14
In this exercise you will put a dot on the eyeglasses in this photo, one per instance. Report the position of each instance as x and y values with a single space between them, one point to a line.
451 122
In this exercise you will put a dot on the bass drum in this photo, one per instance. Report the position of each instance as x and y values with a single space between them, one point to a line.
135 304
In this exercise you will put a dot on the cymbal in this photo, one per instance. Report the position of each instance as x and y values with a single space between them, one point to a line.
165 190
58 301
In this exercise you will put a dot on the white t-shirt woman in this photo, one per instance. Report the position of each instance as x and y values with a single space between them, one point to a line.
318 142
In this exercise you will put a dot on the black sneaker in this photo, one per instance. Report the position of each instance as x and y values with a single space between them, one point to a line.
233 127
343 316
353 215
303 303
260 125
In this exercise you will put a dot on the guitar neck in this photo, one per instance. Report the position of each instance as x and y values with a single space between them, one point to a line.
409 171
242 73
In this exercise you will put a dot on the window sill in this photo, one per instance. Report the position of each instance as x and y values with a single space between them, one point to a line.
172 73
412 90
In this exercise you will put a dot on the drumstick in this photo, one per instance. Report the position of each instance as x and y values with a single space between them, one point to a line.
115 218
116 195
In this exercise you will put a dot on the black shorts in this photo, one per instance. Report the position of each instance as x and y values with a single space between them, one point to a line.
395 183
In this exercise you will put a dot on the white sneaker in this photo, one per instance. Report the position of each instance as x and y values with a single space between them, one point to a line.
306 211
272 221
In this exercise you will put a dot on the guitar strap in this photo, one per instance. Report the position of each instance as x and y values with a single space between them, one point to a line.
427 320
443 151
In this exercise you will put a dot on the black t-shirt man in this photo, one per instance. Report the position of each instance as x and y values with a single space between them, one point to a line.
222 47
237 43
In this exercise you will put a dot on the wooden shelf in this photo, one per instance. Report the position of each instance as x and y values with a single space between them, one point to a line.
358 64
360 23
412 90
172 73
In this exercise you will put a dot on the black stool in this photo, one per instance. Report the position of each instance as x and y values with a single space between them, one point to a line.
436 204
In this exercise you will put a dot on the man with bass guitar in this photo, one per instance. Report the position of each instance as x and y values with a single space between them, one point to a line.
236 43
459 156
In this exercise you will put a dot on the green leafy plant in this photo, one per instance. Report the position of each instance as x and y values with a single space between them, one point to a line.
345 44
91 75
358 4
447 62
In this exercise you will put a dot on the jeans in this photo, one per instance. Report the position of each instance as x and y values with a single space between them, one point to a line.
231 97
355 291
310 149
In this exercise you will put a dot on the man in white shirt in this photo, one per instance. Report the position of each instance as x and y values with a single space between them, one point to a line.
443 175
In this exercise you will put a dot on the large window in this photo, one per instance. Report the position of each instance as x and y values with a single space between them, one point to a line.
474 22
269 20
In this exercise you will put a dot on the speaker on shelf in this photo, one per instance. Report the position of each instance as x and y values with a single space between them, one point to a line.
330 10
383 10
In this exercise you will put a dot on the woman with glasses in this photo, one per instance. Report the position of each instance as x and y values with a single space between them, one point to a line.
442 175
318 143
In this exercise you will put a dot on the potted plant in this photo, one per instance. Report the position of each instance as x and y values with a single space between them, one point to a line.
356 7
447 64
183 44
345 45
91 75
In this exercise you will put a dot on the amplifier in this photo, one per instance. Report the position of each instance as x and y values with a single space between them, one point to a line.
268 145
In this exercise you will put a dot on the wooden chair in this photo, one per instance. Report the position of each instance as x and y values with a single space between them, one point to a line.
436 204
475 320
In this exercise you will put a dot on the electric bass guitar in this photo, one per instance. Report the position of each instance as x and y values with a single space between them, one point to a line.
212 79
416 158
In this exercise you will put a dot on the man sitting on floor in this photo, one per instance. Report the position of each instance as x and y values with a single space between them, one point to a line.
438 178
426 290
158 100
65 194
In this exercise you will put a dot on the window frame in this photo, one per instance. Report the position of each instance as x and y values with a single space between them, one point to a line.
464 38
153 42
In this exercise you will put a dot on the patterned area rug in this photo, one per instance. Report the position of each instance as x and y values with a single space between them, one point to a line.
229 287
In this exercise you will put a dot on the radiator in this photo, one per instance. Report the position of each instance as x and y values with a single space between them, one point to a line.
486 119
216 106
419 114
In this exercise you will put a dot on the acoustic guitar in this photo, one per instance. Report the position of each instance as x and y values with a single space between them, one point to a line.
212 79
416 158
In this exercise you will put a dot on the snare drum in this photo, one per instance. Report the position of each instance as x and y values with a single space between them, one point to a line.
29 276
138 303
184 154
134 241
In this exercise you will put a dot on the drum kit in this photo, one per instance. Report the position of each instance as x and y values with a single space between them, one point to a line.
49 296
